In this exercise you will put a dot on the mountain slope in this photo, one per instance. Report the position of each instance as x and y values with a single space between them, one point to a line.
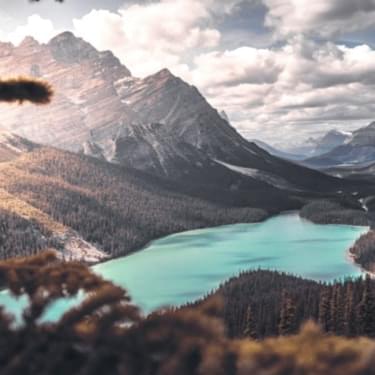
27 230
164 98
112 208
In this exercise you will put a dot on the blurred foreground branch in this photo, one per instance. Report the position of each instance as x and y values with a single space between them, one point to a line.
25 89
106 335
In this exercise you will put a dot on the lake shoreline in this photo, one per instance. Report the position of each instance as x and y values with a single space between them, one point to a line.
183 267
351 257
212 255
362 252
145 246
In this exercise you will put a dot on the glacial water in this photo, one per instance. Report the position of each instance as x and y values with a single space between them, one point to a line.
185 266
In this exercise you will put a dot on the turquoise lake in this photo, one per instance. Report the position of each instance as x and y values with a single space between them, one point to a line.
185 266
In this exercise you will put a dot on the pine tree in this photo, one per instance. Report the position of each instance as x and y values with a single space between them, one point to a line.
349 312
287 323
333 310
366 311
340 312
250 324
324 318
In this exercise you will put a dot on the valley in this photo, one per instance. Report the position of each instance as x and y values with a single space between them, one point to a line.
118 161
145 177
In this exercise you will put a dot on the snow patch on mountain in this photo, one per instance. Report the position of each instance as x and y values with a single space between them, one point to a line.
269 178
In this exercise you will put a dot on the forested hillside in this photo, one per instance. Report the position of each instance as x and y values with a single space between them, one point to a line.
363 251
20 237
116 209
342 211
260 304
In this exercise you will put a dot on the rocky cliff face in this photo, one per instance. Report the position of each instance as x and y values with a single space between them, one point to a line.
85 106
97 101
166 99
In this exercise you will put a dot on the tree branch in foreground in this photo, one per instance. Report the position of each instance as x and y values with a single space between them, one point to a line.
25 89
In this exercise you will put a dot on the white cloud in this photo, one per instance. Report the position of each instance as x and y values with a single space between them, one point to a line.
239 66
302 85
320 17
153 36
39 28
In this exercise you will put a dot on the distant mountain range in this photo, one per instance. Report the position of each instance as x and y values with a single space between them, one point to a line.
315 146
332 139
357 150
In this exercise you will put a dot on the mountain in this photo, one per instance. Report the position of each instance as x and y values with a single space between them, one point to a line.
332 139
315 146
364 136
358 151
160 125
85 106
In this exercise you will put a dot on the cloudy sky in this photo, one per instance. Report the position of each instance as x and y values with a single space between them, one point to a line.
283 70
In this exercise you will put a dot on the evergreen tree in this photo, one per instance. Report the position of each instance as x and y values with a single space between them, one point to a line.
333 310
366 311
287 324
324 318
340 311
349 312
250 324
